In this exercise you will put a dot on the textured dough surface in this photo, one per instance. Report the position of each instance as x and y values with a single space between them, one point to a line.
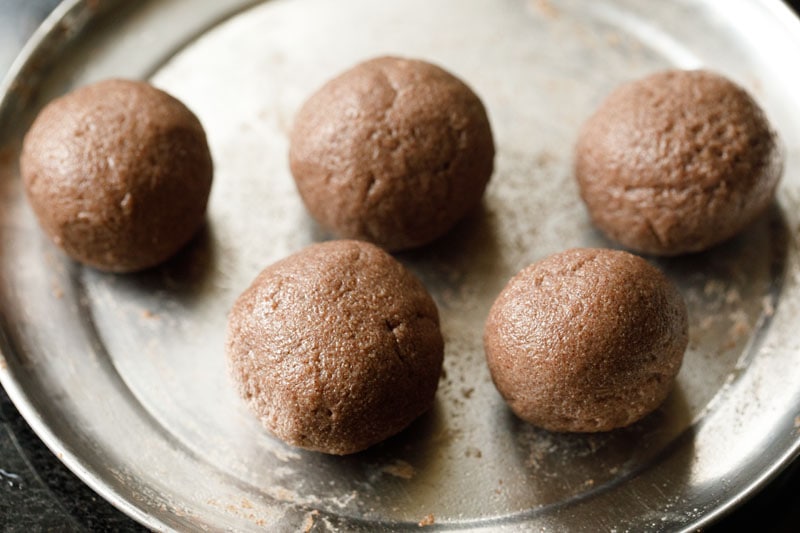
118 174
336 347
586 340
677 162
393 151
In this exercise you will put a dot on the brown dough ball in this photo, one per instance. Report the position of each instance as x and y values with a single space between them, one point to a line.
586 340
677 162
336 347
118 174
393 151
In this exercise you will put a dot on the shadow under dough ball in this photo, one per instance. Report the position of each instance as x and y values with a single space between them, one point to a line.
677 162
393 151
336 347
586 340
118 174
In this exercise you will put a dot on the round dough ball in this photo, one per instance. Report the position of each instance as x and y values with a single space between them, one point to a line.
118 174
677 162
393 151
336 347
586 340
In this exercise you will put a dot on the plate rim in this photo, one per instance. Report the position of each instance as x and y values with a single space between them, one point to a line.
44 44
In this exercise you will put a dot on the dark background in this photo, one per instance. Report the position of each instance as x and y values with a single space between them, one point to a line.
37 493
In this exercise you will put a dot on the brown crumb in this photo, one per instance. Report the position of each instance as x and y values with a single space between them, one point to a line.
706 323
473 452
309 521
400 469
733 296
467 392
427 521
737 331
588 483
283 494
797 422
246 504
545 8
613 38
3 364
545 158
768 306
148 314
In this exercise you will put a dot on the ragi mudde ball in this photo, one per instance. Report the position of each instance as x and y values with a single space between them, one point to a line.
118 174
393 151
336 347
677 162
586 340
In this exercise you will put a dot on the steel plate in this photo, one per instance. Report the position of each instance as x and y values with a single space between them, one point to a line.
124 377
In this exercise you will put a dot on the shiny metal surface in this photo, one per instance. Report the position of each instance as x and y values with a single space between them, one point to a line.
124 376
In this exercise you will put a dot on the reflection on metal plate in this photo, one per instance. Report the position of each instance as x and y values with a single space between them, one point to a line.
124 376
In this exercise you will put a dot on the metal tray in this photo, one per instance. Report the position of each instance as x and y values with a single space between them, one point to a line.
124 377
